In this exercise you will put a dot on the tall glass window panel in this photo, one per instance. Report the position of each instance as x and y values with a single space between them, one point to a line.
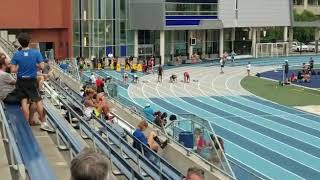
86 9
87 33
76 51
76 9
101 52
117 33
106 9
130 37
123 32
95 9
86 52
95 40
123 9
109 32
76 32
102 33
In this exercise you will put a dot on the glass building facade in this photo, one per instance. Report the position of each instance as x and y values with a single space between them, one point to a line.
101 27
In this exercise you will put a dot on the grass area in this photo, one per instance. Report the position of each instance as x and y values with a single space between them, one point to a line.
286 95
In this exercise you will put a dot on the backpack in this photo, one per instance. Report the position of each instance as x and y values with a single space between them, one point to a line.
76 109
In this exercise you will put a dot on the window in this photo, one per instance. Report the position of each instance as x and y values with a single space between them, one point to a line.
298 2
191 8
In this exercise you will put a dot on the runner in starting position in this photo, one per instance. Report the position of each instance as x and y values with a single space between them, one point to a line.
186 77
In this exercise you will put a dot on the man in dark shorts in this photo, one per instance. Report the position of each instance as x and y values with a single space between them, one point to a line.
26 63
160 73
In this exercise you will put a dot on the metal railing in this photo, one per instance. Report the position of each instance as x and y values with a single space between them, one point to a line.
124 104
187 151
161 163
203 130
7 47
15 159
164 134
72 70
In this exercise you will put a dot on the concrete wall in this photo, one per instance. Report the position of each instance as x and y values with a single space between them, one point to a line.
43 19
147 14
255 13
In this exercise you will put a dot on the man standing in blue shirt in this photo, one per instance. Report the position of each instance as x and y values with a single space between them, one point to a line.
26 63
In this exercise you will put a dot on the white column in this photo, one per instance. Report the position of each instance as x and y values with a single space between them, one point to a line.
258 35
162 47
190 50
305 3
233 38
316 38
172 43
136 44
316 34
254 41
221 42
203 42
290 36
285 34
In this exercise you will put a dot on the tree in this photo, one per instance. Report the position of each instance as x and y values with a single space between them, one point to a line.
304 34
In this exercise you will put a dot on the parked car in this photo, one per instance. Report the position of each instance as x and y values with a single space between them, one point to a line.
297 46
312 46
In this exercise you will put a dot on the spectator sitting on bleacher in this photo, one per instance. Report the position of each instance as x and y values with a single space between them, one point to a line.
150 142
195 173
8 94
217 150
25 63
148 111
89 165
96 103
160 119
43 75
100 85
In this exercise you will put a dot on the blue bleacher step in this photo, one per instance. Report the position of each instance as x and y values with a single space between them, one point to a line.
36 163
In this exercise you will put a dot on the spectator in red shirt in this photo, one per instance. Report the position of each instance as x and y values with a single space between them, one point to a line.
100 85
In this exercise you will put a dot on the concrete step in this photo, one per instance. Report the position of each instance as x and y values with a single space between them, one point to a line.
56 160
4 165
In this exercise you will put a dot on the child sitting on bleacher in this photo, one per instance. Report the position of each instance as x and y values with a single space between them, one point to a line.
95 103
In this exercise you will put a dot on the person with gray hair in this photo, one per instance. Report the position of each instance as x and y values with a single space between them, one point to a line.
89 165
195 173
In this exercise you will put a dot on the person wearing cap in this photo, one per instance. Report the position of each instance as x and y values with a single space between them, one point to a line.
148 112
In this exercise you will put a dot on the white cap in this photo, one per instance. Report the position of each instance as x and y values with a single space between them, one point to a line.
286 60
147 105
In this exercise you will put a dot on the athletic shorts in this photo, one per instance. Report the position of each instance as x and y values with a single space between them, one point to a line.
28 88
